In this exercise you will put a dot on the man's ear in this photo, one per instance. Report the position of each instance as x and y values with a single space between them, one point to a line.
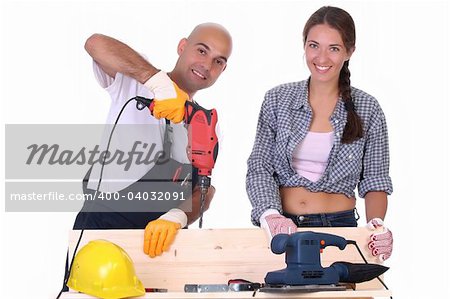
181 46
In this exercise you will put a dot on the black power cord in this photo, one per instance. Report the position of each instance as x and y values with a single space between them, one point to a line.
141 104
352 242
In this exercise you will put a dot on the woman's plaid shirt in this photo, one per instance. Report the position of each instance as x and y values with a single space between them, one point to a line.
284 120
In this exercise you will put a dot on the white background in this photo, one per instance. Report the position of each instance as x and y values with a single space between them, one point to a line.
401 58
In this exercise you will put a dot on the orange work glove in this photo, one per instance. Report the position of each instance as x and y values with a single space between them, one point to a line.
160 233
169 98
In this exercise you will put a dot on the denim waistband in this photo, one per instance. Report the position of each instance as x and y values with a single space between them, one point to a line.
336 219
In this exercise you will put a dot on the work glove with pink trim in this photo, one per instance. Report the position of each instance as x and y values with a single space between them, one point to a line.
169 99
274 223
380 242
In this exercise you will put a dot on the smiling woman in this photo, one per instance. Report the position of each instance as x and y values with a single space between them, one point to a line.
318 139
325 52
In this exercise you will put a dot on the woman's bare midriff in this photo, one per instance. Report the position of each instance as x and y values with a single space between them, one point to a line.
299 201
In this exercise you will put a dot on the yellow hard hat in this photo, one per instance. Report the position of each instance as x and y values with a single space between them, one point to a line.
103 269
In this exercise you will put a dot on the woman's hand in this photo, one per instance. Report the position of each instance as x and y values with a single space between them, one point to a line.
380 242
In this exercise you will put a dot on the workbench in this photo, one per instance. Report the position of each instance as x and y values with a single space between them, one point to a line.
214 256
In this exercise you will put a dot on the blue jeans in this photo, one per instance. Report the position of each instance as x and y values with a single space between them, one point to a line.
338 219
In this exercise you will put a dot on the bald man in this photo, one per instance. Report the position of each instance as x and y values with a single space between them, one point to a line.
124 74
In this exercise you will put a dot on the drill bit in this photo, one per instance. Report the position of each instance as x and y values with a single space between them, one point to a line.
202 204
204 183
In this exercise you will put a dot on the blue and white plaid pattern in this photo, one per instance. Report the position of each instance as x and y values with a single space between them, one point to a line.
284 120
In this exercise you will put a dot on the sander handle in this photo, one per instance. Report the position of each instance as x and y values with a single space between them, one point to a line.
331 240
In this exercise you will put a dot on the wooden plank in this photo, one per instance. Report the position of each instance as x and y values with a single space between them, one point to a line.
249 295
217 255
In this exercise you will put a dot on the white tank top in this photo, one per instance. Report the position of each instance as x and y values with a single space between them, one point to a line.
310 156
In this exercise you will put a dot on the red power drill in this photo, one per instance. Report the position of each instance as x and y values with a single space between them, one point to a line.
203 146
